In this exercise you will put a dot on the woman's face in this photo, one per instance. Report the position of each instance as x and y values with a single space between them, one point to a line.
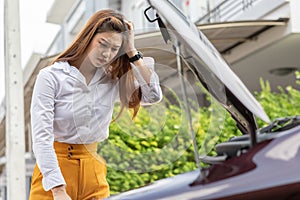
103 48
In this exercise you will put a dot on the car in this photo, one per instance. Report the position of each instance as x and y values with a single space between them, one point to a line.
263 163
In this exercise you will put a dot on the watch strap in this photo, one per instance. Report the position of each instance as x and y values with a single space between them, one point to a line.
136 57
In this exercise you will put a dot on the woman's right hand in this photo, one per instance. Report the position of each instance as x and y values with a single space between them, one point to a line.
60 193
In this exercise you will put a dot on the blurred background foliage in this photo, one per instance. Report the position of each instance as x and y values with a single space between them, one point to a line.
157 144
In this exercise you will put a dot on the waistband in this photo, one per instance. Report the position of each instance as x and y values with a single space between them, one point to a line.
75 151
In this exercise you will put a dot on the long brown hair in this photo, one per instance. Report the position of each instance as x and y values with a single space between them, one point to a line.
106 21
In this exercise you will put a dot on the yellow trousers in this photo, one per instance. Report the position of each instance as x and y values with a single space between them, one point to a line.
83 169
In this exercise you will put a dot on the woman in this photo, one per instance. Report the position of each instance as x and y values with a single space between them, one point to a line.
72 106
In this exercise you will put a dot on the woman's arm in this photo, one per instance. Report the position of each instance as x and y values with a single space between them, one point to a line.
148 80
142 67
144 72
42 115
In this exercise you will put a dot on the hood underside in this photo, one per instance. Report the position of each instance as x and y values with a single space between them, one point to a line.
208 65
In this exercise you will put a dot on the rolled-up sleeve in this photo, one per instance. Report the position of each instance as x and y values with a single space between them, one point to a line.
151 93
42 115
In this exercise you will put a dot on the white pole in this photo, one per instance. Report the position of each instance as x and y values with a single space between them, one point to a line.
14 92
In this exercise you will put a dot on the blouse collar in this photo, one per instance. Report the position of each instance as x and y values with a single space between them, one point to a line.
74 72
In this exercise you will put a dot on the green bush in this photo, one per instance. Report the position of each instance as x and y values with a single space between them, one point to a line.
158 144
286 102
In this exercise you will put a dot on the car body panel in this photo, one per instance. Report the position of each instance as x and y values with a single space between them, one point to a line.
269 178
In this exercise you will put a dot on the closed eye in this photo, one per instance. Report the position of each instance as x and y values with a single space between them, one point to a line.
103 44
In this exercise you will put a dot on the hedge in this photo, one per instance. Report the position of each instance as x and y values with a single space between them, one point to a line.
157 144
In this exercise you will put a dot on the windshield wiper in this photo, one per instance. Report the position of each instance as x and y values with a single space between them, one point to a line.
281 124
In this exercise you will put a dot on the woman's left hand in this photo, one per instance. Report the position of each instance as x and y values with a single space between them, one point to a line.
130 48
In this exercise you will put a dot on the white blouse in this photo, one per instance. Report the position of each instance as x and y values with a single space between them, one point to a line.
65 109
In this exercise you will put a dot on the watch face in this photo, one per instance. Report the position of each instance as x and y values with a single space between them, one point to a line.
139 54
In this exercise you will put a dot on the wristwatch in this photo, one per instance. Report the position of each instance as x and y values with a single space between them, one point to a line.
136 57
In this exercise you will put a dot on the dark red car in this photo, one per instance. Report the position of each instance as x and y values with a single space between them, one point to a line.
264 163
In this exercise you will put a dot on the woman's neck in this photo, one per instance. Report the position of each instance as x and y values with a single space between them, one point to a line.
86 69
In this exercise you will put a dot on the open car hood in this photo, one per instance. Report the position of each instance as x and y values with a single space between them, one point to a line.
208 65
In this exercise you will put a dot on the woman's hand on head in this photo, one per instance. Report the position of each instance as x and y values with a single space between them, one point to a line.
130 47
60 193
